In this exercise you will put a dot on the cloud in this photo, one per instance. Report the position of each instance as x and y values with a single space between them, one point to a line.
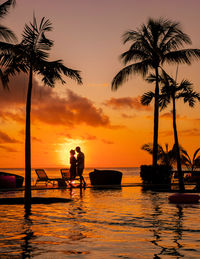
17 115
88 137
107 142
69 110
4 138
126 116
168 115
127 102
8 149
36 139
190 132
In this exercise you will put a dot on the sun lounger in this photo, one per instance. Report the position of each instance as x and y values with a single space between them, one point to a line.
42 177
67 177
65 173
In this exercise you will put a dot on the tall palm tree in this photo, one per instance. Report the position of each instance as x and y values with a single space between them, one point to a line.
158 42
171 91
31 57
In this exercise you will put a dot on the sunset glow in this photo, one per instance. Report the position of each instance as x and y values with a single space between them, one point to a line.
109 126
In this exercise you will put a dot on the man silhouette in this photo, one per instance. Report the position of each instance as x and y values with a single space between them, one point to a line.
80 165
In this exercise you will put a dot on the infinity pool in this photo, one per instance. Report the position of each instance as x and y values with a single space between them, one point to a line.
121 223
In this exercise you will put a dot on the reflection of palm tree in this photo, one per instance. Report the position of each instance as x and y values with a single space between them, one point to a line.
152 45
166 157
31 56
159 228
28 235
193 163
179 226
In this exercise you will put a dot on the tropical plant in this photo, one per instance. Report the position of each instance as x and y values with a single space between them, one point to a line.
152 45
171 91
31 57
165 157
193 163
6 35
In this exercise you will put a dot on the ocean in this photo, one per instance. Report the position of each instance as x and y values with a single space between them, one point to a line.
130 174
122 223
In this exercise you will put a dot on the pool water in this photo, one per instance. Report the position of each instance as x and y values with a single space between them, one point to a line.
116 223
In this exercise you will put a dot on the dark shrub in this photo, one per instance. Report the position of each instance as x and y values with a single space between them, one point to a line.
160 175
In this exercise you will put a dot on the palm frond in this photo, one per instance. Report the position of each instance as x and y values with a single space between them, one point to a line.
123 75
151 78
135 55
185 56
52 71
147 98
6 34
4 8
148 147
195 154
34 35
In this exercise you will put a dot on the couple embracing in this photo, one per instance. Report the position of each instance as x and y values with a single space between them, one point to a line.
77 165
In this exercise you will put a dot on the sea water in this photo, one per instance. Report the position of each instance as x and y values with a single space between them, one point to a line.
113 223
130 174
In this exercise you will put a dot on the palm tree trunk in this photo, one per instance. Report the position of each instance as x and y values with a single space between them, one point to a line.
178 159
28 146
156 119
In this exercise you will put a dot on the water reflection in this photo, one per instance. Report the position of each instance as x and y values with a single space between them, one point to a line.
160 227
28 236
77 231
125 223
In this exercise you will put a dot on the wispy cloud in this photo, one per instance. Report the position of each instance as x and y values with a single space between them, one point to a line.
8 149
109 142
190 132
5 138
127 102
127 116
168 115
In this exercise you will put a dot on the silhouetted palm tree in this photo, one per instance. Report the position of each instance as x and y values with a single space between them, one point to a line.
170 92
166 157
193 163
31 57
152 45
6 35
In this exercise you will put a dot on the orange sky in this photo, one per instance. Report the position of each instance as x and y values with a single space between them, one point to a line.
110 126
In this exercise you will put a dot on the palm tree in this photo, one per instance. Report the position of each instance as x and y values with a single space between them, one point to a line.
152 45
166 157
6 35
193 163
170 92
31 57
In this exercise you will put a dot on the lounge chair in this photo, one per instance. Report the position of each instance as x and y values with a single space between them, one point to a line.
42 177
66 175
